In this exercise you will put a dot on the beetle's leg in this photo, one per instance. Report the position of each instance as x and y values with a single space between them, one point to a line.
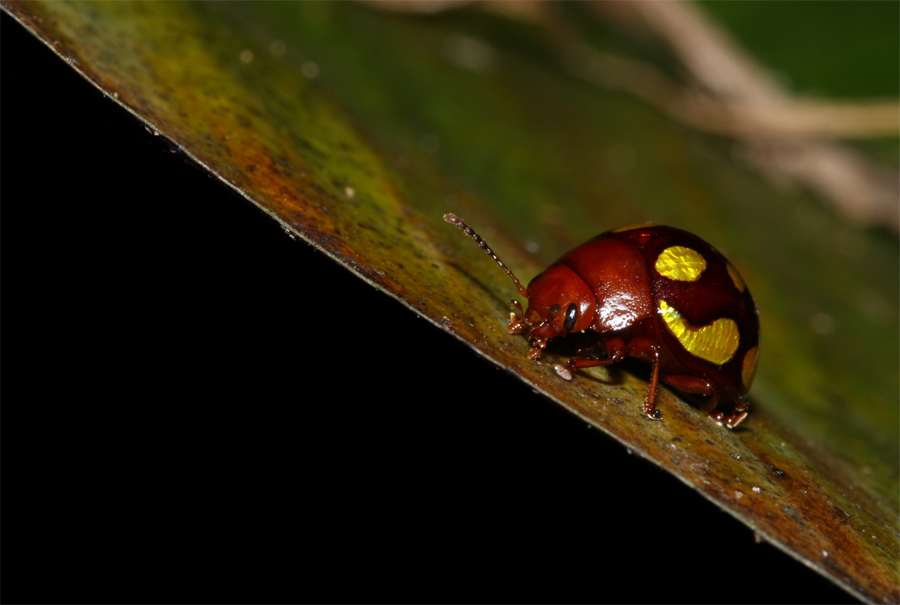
647 350
518 307
710 404
591 349
565 370
650 401
615 351
696 386
700 386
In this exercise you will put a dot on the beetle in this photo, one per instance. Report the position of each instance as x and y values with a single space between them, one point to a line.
655 293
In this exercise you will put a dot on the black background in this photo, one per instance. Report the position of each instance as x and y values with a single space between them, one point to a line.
190 414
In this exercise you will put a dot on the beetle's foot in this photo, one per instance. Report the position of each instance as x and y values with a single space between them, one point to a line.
736 420
537 347
563 371
741 411
654 415
651 412
729 420
566 371
516 325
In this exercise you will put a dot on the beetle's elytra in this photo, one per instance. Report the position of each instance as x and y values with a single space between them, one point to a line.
655 293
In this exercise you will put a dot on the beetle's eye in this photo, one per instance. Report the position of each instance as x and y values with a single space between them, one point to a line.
571 317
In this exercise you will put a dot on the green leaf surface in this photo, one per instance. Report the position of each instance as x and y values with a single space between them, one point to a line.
357 130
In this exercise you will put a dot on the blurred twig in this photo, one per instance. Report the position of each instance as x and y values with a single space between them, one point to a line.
786 138
793 141
790 118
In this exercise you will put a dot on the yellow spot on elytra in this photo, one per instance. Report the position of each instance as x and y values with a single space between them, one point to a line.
736 277
715 342
748 371
680 263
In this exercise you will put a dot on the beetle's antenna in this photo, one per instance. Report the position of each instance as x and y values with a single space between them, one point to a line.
455 220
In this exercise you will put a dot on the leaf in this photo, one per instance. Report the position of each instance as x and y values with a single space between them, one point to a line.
357 130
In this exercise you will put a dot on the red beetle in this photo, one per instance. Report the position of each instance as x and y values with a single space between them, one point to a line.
656 293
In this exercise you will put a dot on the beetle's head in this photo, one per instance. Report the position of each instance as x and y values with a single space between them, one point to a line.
559 302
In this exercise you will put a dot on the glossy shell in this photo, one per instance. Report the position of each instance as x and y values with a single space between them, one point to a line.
666 285
654 293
